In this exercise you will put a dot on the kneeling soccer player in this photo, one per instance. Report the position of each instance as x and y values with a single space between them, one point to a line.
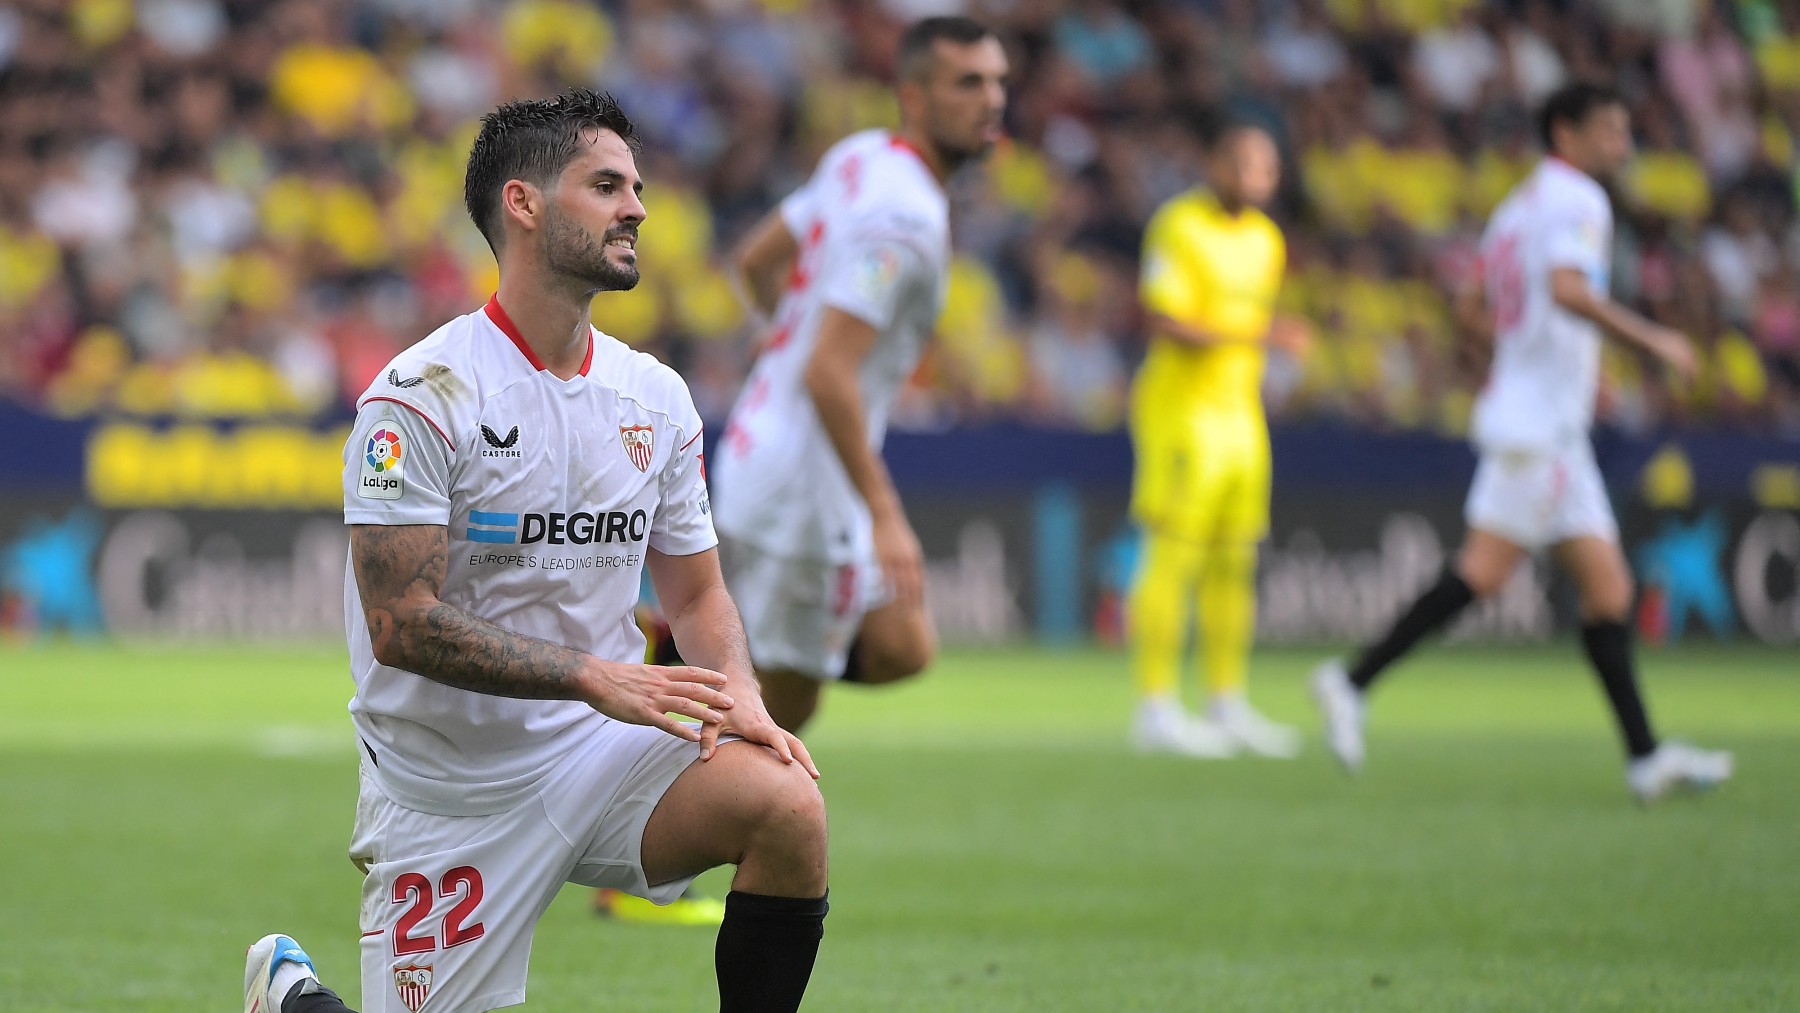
508 481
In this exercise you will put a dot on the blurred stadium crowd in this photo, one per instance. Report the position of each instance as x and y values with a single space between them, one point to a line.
244 207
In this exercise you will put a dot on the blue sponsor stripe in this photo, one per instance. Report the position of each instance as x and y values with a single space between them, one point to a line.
482 517
481 535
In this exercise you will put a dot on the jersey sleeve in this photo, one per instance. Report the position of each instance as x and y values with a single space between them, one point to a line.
797 209
1578 234
870 278
683 524
396 468
1163 283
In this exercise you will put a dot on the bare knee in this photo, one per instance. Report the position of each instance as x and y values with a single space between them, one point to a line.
1607 599
891 659
785 842
1486 563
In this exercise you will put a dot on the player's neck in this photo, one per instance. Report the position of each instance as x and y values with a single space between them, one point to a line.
926 152
1231 207
1568 163
555 326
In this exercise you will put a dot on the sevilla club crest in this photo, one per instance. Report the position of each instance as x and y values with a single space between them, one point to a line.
413 982
640 443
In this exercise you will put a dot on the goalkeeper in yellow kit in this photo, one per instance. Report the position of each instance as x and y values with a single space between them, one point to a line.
1212 267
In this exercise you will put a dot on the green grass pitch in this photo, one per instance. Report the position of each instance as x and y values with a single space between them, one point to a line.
995 845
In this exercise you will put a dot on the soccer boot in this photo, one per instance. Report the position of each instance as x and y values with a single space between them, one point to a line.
688 909
1676 765
1161 726
266 957
1249 729
1341 707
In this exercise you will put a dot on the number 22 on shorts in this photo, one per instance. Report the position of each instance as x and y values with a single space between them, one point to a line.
415 891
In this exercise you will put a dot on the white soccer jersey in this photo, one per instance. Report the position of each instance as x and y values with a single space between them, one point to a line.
874 232
551 490
1545 373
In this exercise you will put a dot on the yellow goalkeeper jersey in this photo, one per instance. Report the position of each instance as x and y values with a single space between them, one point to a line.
1221 273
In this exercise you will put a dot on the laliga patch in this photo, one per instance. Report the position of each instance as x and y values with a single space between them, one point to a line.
876 275
1592 236
383 454
1156 267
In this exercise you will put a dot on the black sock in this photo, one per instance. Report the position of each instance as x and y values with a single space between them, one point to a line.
853 663
1609 651
765 951
322 1001
1434 608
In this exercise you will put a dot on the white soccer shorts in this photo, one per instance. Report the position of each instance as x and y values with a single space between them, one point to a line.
1540 497
800 615
451 902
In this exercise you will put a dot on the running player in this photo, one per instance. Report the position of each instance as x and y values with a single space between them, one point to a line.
851 270
507 482
1546 259
1212 267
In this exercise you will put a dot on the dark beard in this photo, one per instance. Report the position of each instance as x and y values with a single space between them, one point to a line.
956 156
572 252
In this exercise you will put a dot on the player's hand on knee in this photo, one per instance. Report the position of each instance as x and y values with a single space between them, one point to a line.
752 723
651 694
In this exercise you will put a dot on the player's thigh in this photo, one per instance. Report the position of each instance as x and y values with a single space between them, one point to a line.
712 812
1164 459
450 904
897 639
1598 567
604 798
800 615
1241 487
1190 488
1486 561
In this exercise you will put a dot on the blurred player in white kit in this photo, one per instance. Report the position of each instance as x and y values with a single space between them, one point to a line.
851 272
1545 266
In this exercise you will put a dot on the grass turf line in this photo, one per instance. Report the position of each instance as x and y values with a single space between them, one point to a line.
995 845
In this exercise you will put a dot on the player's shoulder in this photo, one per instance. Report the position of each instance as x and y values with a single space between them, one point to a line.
1188 211
1566 186
857 145
886 182
441 377
641 377
1265 225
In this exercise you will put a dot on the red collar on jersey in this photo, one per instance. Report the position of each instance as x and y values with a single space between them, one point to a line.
498 315
899 143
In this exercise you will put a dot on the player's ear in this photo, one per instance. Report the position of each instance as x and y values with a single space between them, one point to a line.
523 203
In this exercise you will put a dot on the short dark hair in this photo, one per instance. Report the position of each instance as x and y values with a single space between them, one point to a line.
532 140
1572 104
914 60
1214 127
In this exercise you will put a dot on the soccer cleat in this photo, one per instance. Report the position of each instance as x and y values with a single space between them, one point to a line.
1341 706
1162 726
1676 765
261 966
688 909
1248 728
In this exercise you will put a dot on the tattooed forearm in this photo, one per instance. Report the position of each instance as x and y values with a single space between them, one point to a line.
399 574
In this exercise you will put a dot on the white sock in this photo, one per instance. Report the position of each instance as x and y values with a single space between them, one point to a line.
286 976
